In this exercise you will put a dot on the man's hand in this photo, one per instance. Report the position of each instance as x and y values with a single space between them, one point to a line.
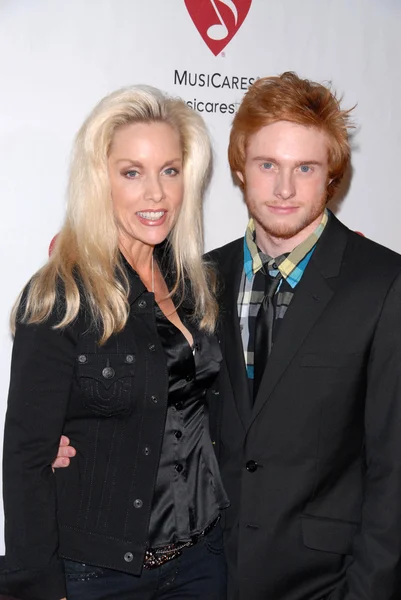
65 452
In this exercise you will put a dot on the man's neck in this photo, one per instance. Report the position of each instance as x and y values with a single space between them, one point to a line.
276 246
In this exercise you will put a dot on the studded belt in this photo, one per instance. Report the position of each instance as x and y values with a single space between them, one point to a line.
155 557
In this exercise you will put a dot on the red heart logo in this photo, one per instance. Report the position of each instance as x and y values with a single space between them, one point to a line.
218 20
51 245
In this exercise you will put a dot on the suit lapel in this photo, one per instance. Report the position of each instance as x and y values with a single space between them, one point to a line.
313 294
229 329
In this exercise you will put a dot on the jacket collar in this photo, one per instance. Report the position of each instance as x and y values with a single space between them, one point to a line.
163 255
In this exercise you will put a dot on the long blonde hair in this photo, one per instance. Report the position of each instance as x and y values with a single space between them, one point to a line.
87 246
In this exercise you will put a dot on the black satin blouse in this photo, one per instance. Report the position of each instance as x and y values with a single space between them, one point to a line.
189 493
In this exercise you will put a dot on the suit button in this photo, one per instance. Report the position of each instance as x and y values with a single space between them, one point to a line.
108 373
152 347
251 466
178 434
128 557
82 358
146 451
129 359
189 378
178 405
138 503
154 399
142 303
178 468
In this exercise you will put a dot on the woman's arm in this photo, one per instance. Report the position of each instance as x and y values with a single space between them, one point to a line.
41 376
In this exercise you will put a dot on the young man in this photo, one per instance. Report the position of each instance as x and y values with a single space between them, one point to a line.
308 422
308 427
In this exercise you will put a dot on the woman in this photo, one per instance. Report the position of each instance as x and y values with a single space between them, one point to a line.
114 347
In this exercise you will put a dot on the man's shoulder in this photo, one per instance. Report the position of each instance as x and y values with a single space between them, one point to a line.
374 253
220 256
362 249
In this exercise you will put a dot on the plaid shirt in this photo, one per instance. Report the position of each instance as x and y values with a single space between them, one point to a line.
291 267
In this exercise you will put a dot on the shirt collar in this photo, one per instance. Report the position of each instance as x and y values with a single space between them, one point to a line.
296 260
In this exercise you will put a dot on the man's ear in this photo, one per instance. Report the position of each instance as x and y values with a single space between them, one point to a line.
240 176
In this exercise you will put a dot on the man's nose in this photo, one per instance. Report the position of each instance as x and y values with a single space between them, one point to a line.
285 187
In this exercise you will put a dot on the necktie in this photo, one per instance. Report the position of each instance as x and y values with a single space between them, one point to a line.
264 330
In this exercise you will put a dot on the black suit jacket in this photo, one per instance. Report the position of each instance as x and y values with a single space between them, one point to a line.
313 468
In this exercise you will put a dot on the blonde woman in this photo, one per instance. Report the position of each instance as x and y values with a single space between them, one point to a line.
114 347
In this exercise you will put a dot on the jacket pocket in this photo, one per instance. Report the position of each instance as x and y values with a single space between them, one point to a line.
106 382
328 535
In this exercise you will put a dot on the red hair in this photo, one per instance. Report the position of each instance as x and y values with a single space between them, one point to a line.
289 98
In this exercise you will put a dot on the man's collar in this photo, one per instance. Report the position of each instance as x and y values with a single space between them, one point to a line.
296 261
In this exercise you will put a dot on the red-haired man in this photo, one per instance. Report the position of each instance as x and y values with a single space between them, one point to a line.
308 427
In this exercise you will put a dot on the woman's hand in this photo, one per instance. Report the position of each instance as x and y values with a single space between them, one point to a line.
65 452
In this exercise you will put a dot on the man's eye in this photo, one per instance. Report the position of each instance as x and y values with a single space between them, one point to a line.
267 166
305 168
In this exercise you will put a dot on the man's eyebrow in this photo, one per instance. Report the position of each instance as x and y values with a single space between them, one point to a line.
264 159
309 162
277 162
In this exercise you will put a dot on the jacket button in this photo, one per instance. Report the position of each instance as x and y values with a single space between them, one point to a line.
146 451
129 359
138 503
128 557
178 434
178 468
189 378
251 466
108 373
178 405
142 303
82 358
152 347
154 399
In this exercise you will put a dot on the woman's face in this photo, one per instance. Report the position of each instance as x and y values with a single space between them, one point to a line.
145 172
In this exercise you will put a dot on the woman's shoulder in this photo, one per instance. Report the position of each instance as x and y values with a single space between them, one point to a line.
49 307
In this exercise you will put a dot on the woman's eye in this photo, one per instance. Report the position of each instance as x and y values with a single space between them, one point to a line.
267 166
171 171
131 174
305 169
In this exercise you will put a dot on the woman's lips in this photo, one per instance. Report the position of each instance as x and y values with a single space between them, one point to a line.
152 218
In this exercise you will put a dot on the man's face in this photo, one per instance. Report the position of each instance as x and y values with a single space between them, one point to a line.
285 179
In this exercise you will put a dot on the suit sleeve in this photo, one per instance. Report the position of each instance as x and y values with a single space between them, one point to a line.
41 376
376 570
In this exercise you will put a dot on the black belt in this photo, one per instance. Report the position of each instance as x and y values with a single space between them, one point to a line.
155 557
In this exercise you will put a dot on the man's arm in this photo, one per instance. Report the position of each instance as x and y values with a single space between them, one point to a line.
376 570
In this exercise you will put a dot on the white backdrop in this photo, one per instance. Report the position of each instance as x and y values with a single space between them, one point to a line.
57 59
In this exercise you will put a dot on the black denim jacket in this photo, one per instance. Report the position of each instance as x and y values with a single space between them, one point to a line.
112 401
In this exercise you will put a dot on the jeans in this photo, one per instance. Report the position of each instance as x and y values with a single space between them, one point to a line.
198 574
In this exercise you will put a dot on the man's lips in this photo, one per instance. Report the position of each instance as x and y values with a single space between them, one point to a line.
152 218
282 210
